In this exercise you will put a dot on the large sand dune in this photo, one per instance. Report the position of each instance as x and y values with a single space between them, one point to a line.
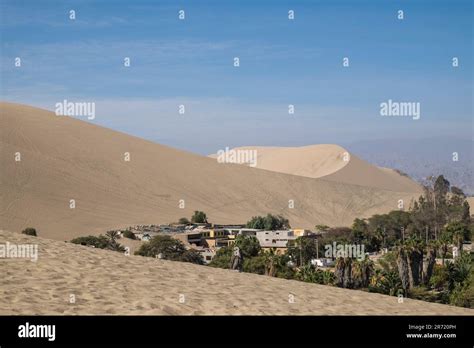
331 162
107 282
63 158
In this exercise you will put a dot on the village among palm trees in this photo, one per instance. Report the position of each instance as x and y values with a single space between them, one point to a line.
423 252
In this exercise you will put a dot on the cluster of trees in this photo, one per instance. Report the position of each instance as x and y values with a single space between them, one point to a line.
353 274
199 217
413 239
169 248
310 274
416 238
450 283
254 258
269 222
107 241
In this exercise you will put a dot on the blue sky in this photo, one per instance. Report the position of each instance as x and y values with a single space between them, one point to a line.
283 62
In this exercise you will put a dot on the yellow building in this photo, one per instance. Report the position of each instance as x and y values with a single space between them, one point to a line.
300 232
214 238
213 233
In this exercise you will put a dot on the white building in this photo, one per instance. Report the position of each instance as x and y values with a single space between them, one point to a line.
275 239
324 262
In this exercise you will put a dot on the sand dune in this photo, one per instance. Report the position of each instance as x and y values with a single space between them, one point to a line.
63 158
312 161
330 162
107 282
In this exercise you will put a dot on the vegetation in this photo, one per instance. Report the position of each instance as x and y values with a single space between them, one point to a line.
222 258
249 249
184 221
169 249
310 274
129 234
303 251
412 241
102 242
269 222
199 217
30 231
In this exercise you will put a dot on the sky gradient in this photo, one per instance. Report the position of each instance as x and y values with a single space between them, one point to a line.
282 62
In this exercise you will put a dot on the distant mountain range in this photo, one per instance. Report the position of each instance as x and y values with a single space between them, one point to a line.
422 158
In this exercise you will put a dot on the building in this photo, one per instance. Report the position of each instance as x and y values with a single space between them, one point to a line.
300 232
241 231
219 226
214 238
191 237
276 239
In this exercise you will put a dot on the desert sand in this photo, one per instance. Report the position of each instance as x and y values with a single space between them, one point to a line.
330 162
64 158
108 282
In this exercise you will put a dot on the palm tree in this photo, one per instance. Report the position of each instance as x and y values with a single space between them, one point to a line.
112 235
402 264
429 263
271 262
357 274
339 272
444 241
348 273
414 255
367 268
112 241
307 273
390 283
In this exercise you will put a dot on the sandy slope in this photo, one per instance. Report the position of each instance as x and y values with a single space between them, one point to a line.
330 162
107 282
65 158
312 161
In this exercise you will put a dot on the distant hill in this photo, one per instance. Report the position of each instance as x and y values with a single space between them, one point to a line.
329 162
422 158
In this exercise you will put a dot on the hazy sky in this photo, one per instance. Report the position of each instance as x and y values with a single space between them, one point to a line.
282 62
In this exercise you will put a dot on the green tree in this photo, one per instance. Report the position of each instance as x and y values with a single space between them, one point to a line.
30 231
170 249
304 250
199 217
129 234
100 241
255 264
272 259
112 235
403 268
183 221
222 258
321 228
458 233
339 272
248 245
386 282
112 243
269 222
192 256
